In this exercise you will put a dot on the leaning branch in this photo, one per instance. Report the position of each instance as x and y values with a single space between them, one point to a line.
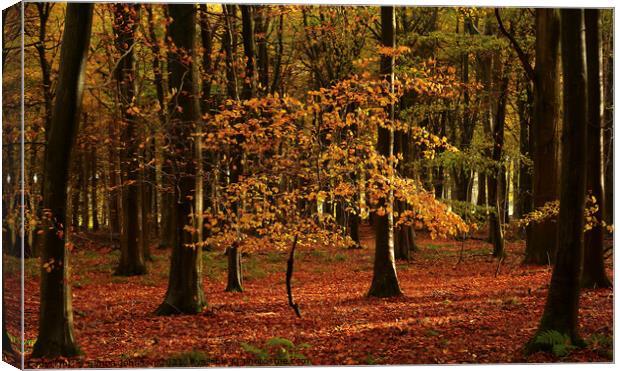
529 71
289 276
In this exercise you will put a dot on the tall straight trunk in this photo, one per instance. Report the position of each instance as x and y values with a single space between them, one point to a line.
482 189
126 19
44 10
594 274
608 127
384 280
497 178
144 201
542 237
165 229
56 314
94 179
261 30
276 85
185 293
235 281
207 37
562 307
75 194
113 183
228 46
84 191
463 175
524 108
404 235
247 23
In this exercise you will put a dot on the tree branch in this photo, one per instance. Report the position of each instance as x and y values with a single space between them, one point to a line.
529 71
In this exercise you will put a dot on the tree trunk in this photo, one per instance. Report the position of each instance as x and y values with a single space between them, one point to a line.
126 19
56 314
185 293
75 195
114 212
562 307
482 189
83 191
497 178
94 179
542 237
228 46
594 274
608 128
525 138
235 280
384 280
261 30
247 22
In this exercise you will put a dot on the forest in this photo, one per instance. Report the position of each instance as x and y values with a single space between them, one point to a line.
252 185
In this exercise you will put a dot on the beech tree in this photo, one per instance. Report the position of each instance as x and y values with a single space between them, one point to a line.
56 313
185 293
541 237
384 279
562 307
594 274
131 262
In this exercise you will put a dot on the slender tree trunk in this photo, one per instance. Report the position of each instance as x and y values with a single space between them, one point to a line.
261 30
562 307
594 274
56 314
94 179
113 183
525 135
463 174
75 195
185 293
384 280
542 237
227 45
497 178
277 66
44 10
247 22
83 191
126 19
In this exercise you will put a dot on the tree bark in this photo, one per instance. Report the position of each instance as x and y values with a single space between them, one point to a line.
594 274
497 178
126 19
185 293
542 237
562 307
227 45
525 138
56 314
247 23
385 281
93 187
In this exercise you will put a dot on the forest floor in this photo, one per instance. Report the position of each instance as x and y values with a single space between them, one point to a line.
465 312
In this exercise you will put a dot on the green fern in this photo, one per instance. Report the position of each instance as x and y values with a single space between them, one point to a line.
279 342
559 344
277 349
257 352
